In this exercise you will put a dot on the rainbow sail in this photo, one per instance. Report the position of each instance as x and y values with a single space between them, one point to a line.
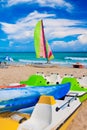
49 52
42 47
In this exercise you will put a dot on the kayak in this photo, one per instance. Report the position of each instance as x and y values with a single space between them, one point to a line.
17 98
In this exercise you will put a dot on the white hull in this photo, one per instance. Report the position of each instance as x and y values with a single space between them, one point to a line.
51 116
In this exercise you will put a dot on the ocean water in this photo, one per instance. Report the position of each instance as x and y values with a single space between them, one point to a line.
61 58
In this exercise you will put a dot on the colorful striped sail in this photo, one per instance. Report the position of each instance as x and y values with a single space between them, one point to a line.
49 52
42 48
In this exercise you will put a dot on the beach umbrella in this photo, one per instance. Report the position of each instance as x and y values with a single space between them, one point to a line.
8 58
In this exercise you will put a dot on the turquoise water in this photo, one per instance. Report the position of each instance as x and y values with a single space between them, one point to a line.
62 58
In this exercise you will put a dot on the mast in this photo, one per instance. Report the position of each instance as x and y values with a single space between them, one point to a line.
44 42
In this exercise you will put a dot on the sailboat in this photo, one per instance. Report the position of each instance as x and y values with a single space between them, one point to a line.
42 47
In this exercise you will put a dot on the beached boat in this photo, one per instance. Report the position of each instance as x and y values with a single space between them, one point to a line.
17 98
48 114
35 80
76 88
41 79
78 65
78 85
56 114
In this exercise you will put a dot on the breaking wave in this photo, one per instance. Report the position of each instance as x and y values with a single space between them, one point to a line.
76 58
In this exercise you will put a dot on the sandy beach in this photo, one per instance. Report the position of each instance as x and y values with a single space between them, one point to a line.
14 74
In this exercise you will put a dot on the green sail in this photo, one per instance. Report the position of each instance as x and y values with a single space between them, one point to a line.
37 33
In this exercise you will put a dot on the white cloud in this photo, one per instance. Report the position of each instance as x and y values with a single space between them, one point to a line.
14 2
63 44
3 40
83 38
35 15
16 31
11 43
56 3
50 3
60 28
69 46
23 30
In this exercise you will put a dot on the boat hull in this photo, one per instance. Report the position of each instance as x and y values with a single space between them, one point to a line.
78 66
68 121
13 125
17 98
57 114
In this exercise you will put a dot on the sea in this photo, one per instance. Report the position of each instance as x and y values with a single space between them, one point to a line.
60 58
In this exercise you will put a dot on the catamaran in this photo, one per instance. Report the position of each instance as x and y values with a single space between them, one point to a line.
42 47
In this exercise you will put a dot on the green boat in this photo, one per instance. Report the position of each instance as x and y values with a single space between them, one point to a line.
76 88
35 80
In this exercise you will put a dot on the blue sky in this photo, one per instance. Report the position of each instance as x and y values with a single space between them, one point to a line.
65 24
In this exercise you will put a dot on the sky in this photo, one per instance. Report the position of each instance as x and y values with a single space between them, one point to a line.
65 24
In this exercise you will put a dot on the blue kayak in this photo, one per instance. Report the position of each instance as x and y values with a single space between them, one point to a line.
18 98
